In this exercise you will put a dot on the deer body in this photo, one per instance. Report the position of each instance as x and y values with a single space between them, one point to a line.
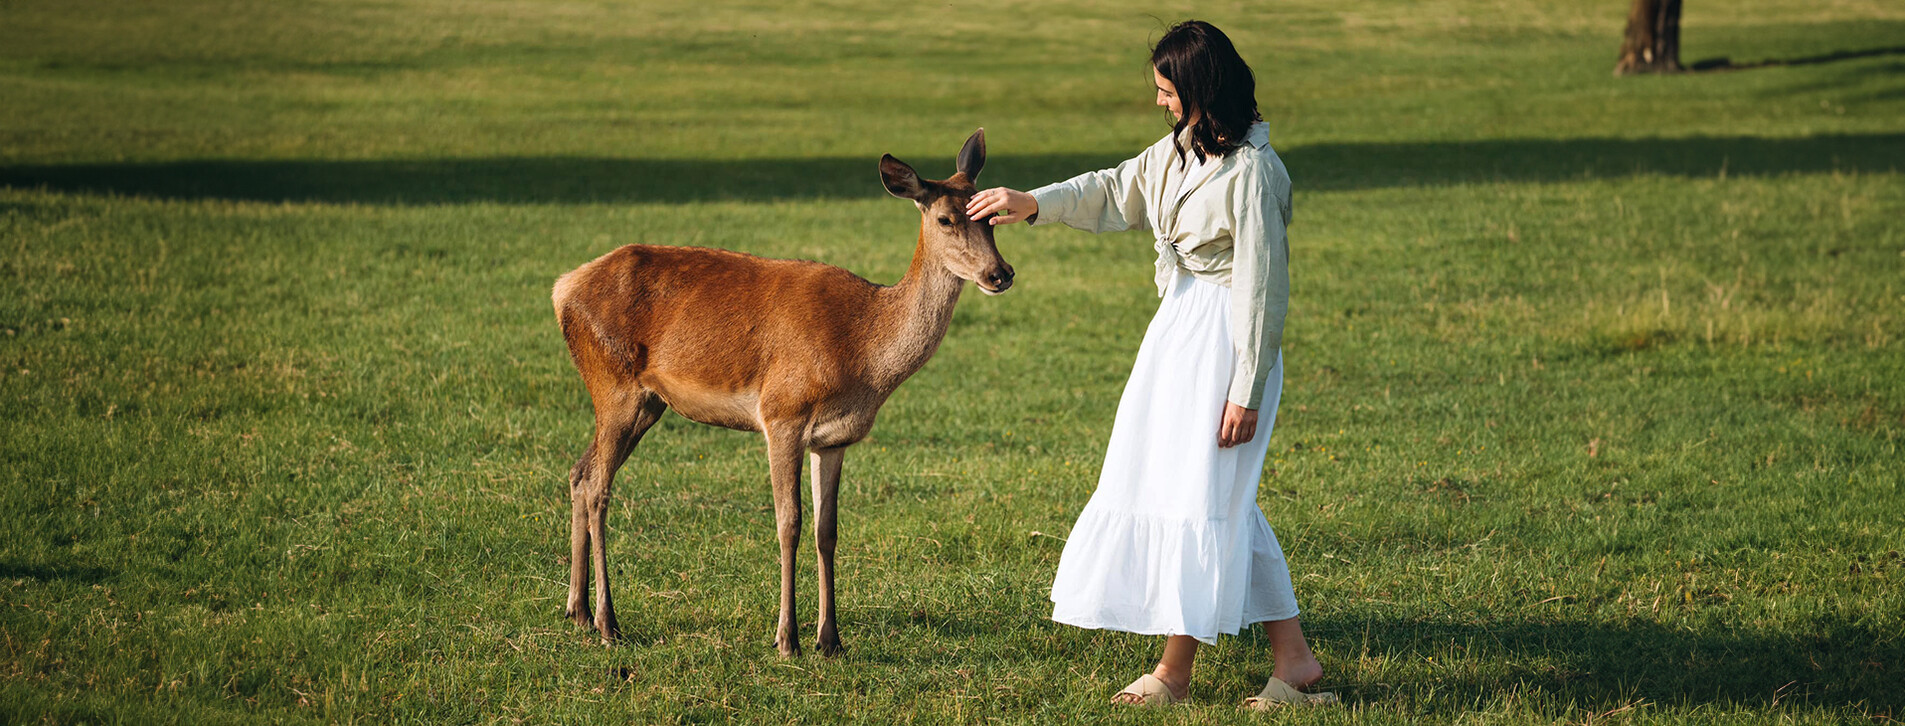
711 351
801 352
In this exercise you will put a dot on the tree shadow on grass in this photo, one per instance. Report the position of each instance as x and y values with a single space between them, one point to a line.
84 575
1724 63
1834 663
581 180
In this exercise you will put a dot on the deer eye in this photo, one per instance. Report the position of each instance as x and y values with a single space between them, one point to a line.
945 221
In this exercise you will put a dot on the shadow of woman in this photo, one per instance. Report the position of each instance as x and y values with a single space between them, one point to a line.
1832 662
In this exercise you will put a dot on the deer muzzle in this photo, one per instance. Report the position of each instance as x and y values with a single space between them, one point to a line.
996 281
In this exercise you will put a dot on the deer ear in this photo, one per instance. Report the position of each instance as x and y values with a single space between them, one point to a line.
900 180
972 158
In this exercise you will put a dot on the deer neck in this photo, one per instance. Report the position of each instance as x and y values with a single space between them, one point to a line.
911 318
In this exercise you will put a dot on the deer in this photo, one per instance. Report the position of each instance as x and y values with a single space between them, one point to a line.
800 352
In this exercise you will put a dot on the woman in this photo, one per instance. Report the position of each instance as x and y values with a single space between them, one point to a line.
1172 542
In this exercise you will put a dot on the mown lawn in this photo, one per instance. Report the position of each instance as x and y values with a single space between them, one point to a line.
1595 400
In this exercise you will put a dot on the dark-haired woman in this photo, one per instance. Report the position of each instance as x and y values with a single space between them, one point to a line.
1172 542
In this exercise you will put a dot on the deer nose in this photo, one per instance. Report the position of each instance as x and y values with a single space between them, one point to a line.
999 280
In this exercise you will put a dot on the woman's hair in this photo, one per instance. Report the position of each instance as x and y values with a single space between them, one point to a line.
1215 86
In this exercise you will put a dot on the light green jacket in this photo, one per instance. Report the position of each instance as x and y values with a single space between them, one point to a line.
1226 224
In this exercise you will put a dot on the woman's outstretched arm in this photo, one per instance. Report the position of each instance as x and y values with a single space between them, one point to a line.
1000 205
1107 200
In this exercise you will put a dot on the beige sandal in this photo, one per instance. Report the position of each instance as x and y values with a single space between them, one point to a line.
1151 692
1278 693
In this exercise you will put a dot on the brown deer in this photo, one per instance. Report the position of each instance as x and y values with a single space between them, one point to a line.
802 352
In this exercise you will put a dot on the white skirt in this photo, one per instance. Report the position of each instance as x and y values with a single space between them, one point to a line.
1173 542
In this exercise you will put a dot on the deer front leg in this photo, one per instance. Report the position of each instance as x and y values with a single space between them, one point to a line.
826 498
783 467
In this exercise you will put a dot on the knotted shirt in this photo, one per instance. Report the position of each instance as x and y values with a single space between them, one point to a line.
1224 221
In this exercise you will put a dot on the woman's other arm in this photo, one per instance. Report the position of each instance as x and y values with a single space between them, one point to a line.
1259 280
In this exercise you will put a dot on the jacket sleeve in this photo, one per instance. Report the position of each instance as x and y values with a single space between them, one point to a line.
1260 281
1107 200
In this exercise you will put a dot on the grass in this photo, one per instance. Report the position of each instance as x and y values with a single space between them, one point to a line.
1593 412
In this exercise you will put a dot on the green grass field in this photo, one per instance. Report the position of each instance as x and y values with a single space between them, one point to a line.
1595 396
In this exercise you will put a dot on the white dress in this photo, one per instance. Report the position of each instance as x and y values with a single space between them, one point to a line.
1173 542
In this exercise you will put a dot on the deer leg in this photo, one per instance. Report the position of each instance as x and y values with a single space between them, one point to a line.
783 467
578 607
826 496
616 436
599 558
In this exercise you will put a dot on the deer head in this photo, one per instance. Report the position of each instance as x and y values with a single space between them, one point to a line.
962 245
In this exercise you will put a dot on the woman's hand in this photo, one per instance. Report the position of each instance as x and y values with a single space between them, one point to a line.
1240 425
988 205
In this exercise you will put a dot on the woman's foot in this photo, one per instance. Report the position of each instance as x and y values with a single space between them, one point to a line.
1300 673
1295 664
1278 694
1295 673
1178 682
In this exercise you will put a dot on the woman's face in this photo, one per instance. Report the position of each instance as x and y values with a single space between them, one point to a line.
1167 95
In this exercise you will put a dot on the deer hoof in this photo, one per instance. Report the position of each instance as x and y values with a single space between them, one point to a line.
829 647
611 632
788 647
581 617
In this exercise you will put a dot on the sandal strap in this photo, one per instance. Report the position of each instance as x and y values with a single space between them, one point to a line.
1150 690
1277 692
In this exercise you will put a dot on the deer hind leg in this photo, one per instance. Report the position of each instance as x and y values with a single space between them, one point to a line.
621 420
783 467
826 484
579 482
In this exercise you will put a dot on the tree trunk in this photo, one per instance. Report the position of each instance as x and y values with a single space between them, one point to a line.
1652 44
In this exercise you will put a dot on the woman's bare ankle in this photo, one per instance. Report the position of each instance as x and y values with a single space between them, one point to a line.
1179 681
1300 673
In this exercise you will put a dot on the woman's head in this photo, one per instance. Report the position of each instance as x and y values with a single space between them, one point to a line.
1207 86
